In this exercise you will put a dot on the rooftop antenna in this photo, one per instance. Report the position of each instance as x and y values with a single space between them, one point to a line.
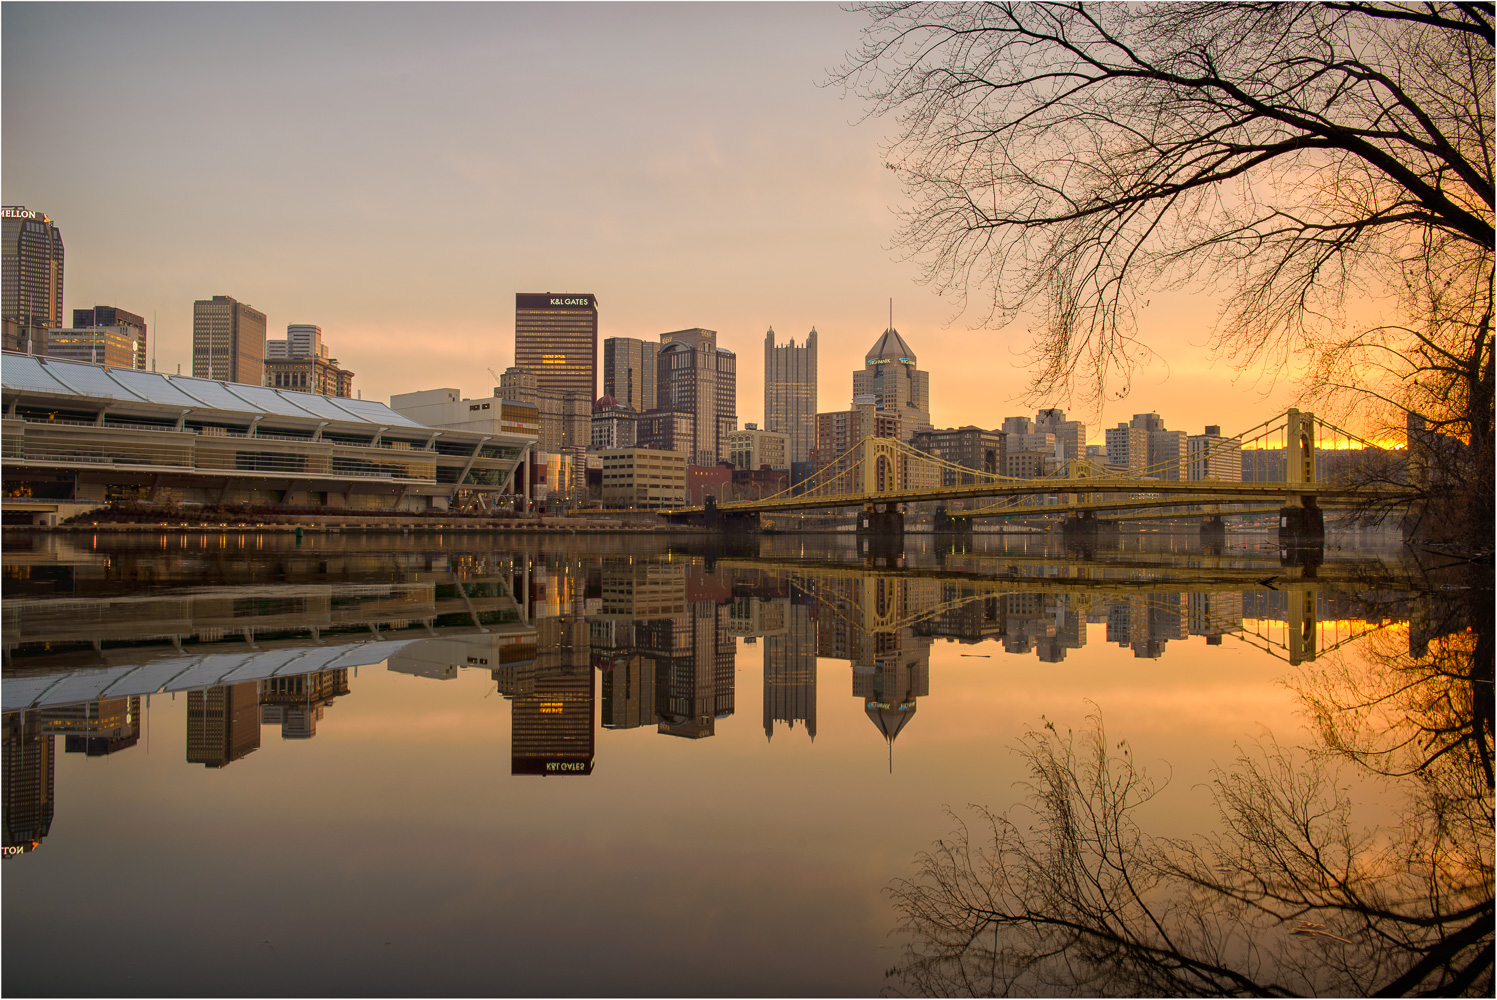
891 312
153 343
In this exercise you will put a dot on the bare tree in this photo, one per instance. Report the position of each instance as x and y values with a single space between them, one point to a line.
1074 159
1068 895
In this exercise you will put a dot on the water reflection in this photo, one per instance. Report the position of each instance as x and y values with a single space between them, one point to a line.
1296 891
261 635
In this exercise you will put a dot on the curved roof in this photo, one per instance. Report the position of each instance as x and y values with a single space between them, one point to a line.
28 373
891 347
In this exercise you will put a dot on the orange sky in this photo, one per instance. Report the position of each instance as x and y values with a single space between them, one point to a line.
397 173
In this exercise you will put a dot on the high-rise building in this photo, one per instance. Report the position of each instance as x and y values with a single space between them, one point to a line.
695 376
301 362
1212 456
228 341
106 316
30 277
556 337
1128 447
790 671
223 724
629 370
1070 435
551 714
890 375
971 447
115 346
790 392
30 777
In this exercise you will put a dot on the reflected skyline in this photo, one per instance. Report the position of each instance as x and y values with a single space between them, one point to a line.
574 643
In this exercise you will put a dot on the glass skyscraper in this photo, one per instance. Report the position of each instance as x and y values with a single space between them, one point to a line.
556 337
790 392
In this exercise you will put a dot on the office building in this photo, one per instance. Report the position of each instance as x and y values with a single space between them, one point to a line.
1128 448
629 371
302 340
694 375
613 424
1212 456
301 362
970 447
1168 455
29 766
897 385
643 477
95 728
666 430
111 316
551 707
1070 435
752 448
790 392
556 337
223 724
115 346
30 277
228 341
790 671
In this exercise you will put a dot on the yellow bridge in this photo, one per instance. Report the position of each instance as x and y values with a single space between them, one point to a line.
880 475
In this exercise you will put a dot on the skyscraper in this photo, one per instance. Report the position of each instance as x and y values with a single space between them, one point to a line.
128 322
629 372
228 341
696 376
556 336
890 375
790 392
31 271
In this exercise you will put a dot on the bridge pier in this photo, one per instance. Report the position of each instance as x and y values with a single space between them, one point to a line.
881 520
1214 528
1086 525
731 522
1302 525
945 524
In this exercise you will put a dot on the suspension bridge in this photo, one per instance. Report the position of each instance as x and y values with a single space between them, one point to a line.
880 476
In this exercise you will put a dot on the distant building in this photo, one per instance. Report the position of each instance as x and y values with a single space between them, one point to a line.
694 375
643 477
1212 456
556 337
629 372
30 770
897 385
31 269
228 341
752 448
1168 455
666 430
1070 435
612 425
971 447
1128 447
703 481
115 346
223 724
110 316
301 362
790 392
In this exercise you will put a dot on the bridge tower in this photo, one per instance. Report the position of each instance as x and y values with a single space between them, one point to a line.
1302 523
883 472
1301 618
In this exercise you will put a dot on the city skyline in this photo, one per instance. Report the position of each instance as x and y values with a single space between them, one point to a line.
385 252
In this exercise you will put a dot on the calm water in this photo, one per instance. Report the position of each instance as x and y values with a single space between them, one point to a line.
241 765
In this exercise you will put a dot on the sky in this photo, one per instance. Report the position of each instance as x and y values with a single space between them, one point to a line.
396 173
